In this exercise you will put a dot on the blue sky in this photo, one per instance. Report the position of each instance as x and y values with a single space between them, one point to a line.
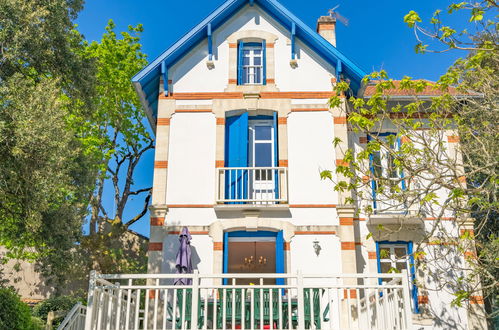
375 39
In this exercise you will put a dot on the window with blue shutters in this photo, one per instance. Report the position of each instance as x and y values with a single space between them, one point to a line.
251 63
395 257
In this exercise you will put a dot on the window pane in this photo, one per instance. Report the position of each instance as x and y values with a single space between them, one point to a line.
384 253
263 132
385 267
257 61
245 76
392 171
400 252
376 163
257 51
258 76
401 265
246 60
263 154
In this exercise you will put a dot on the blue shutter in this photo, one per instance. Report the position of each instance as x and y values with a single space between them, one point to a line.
279 256
412 271
226 256
264 63
236 155
240 63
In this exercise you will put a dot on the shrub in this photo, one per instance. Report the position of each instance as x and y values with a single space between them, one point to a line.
60 303
14 314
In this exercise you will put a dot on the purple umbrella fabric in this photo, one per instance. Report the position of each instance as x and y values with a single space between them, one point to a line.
183 264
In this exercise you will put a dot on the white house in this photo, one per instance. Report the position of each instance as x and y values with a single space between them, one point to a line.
239 107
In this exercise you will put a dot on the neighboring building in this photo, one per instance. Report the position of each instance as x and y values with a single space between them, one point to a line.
240 110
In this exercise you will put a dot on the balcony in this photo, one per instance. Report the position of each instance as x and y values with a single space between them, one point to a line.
259 186
249 301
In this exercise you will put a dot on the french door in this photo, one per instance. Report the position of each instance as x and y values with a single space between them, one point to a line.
261 143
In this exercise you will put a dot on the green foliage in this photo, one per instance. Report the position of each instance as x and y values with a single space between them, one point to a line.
60 303
14 314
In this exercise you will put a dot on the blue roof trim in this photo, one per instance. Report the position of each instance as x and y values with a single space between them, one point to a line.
152 72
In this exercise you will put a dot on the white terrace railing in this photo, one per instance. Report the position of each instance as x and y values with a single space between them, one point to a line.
249 301
75 319
252 185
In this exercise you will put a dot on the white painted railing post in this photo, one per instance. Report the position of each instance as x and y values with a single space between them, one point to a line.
90 301
407 299
195 300
301 300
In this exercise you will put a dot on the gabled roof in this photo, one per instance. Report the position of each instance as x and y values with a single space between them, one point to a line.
146 81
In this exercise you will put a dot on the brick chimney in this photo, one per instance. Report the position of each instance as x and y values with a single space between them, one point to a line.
326 27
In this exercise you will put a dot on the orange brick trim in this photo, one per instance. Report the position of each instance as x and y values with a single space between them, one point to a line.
476 300
270 81
363 139
462 179
315 232
282 120
232 45
161 164
470 231
189 206
203 96
341 162
348 245
200 232
163 121
365 179
353 293
308 109
423 299
269 45
155 246
239 95
405 139
304 206
220 121
192 110
287 246
470 255
232 81
219 163
157 221
152 294
333 80
359 219
346 221
340 120
283 162
453 139
218 246
326 27
372 255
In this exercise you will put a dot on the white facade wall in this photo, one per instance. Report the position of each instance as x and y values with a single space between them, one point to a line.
192 143
191 172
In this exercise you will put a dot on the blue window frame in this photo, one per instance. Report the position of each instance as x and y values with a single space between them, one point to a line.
382 166
398 256
251 67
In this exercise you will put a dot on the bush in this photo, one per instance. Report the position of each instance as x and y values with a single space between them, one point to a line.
61 303
14 314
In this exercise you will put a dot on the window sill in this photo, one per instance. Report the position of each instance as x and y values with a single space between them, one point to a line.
394 219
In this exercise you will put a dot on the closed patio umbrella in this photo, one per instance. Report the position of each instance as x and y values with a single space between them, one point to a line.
183 263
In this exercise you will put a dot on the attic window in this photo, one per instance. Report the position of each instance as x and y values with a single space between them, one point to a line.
251 63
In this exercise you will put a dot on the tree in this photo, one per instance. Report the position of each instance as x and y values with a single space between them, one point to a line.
417 170
46 165
124 140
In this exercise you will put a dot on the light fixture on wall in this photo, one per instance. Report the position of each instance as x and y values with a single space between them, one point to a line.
317 247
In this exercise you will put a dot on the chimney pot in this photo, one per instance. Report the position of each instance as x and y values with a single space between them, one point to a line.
326 27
